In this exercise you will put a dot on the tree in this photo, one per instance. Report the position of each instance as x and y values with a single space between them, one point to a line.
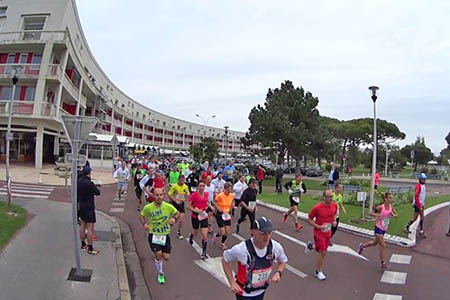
444 156
285 123
208 149
422 154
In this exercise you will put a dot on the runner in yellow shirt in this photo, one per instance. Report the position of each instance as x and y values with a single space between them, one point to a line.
178 193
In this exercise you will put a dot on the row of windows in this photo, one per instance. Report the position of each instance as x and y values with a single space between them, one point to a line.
20 58
26 93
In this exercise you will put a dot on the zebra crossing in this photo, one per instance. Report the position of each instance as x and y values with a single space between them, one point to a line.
118 205
33 191
393 277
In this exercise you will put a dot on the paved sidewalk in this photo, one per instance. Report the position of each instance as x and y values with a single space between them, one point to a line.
36 263
47 176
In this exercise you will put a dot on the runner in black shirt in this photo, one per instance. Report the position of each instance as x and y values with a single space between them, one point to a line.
248 204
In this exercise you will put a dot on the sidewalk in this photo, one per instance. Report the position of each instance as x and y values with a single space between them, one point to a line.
47 176
36 263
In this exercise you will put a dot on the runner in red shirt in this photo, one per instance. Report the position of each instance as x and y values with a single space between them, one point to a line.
207 173
197 204
322 217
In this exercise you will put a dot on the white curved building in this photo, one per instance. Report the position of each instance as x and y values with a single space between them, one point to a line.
61 76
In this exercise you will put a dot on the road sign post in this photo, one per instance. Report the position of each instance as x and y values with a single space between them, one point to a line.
361 197
77 129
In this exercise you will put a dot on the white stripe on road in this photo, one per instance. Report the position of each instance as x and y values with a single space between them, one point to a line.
116 209
24 195
118 204
34 187
334 248
15 190
288 267
379 296
196 246
400 259
213 266
393 277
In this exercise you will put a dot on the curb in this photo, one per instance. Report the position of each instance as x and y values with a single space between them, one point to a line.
124 287
392 239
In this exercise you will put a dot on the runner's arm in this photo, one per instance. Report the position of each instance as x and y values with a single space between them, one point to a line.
303 187
341 204
288 185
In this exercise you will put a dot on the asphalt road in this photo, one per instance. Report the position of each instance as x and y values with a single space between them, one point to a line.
349 276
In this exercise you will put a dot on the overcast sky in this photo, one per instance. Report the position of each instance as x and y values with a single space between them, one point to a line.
220 57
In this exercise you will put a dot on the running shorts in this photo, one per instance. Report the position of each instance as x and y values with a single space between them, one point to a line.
322 241
220 222
156 247
179 207
196 223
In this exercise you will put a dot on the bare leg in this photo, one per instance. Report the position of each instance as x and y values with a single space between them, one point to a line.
320 260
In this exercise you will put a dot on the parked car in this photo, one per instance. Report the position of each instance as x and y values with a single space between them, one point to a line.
314 172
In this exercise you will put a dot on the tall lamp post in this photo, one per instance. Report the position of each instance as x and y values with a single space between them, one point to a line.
374 97
226 140
205 121
388 152
9 136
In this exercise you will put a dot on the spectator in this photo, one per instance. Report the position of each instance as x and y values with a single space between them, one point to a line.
260 175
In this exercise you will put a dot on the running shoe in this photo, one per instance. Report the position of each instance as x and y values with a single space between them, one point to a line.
385 266
237 228
284 218
204 255
422 234
161 278
223 246
361 248
309 247
298 226
93 252
180 236
191 239
320 275
447 234
406 230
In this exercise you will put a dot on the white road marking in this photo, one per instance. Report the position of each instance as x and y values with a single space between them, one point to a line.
31 187
16 190
288 267
116 209
379 296
118 203
213 266
393 277
334 248
25 195
400 259
196 246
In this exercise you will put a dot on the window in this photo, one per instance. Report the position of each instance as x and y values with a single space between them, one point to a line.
3 10
23 58
37 59
33 24
6 93
29 95
11 58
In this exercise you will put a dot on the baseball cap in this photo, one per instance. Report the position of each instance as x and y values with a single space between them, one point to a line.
422 176
263 224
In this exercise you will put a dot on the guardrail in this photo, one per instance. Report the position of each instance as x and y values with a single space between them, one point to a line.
34 35
19 107
28 70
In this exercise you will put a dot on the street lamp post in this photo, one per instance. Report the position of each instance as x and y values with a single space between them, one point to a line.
205 121
226 139
373 89
9 136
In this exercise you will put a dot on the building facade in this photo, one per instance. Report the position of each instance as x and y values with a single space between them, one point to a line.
60 76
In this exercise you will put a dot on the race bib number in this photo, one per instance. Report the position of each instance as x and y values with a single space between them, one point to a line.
226 217
159 239
385 222
296 199
194 189
252 204
203 215
180 197
260 277
122 177
327 227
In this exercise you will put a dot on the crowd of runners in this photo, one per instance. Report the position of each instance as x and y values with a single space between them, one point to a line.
165 190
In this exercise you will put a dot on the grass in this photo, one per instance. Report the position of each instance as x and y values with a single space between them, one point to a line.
9 224
396 226
310 183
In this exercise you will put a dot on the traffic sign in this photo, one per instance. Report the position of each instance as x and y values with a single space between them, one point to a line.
412 154
81 160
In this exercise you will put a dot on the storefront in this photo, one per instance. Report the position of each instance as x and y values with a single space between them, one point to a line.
21 149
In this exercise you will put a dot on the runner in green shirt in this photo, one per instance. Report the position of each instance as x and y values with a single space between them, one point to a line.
338 198
161 215
174 174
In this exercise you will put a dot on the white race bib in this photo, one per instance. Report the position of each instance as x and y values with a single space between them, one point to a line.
385 222
296 199
159 239
260 277
194 189
252 204
327 227
203 215
226 217
179 197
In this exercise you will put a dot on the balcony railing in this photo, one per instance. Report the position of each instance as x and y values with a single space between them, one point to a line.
63 112
19 107
34 35
48 109
28 70
68 84
54 71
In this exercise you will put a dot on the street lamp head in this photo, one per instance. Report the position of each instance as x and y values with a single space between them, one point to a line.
197 115
17 73
374 90
213 116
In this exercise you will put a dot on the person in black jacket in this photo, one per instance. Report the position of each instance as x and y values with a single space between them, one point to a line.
248 204
86 191
278 178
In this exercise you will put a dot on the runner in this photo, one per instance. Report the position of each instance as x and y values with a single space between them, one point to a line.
337 197
146 185
219 183
248 204
255 258
174 174
210 189
122 176
161 215
139 174
198 204
223 203
229 172
238 188
322 217
279 179
420 195
296 187
384 212
178 193
207 173
192 180
86 192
